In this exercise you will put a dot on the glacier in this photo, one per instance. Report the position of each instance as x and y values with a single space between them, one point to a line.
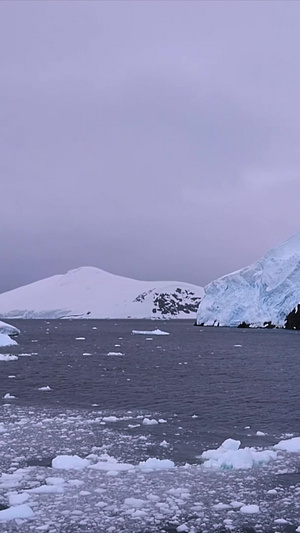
264 294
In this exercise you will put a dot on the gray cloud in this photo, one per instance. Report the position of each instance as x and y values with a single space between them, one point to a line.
151 139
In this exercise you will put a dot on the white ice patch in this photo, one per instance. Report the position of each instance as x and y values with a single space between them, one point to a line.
149 421
136 503
7 357
154 332
250 509
16 498
115 353
47 489
5 340
19 511
110 464
8 396
46 388
289 445
111 418
69 462
155 464
230 456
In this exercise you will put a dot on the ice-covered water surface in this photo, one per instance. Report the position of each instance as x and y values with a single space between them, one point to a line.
176 434
78 473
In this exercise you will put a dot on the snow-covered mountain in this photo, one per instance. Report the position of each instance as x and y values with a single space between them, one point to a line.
89 292
264 294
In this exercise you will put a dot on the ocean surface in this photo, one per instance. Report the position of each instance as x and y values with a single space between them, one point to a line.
93 389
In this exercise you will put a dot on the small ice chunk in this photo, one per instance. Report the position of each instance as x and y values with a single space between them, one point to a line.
182 528
261 434
47 489
54 480
250 509
156 464
149 422
46 388
221 506
111 465
154 332
15 512
136 503
8 396
80 339
70 462
111 418
289 445
7 357
236 505
16 498
117 354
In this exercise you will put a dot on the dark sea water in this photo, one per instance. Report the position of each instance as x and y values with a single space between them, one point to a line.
203 384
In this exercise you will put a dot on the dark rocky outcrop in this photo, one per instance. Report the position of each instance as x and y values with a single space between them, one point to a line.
293 319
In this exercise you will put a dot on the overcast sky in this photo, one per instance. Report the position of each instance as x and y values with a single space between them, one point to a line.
153 139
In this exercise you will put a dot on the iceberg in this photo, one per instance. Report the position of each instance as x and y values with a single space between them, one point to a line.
5 340
264 294
7 329
229 456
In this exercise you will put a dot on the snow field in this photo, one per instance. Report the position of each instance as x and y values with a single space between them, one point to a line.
75 474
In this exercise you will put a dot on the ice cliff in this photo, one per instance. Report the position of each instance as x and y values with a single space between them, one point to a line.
266 293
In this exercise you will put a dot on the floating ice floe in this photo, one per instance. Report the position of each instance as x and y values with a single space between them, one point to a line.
115 353
70 462
289 445
7 357
5 340
46 388
154 332
8 396
15 512
230 456
155 464
149 422
250 509
111 418
110 464
17 498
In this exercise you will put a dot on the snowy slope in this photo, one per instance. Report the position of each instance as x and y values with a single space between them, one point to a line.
264 292
89 292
